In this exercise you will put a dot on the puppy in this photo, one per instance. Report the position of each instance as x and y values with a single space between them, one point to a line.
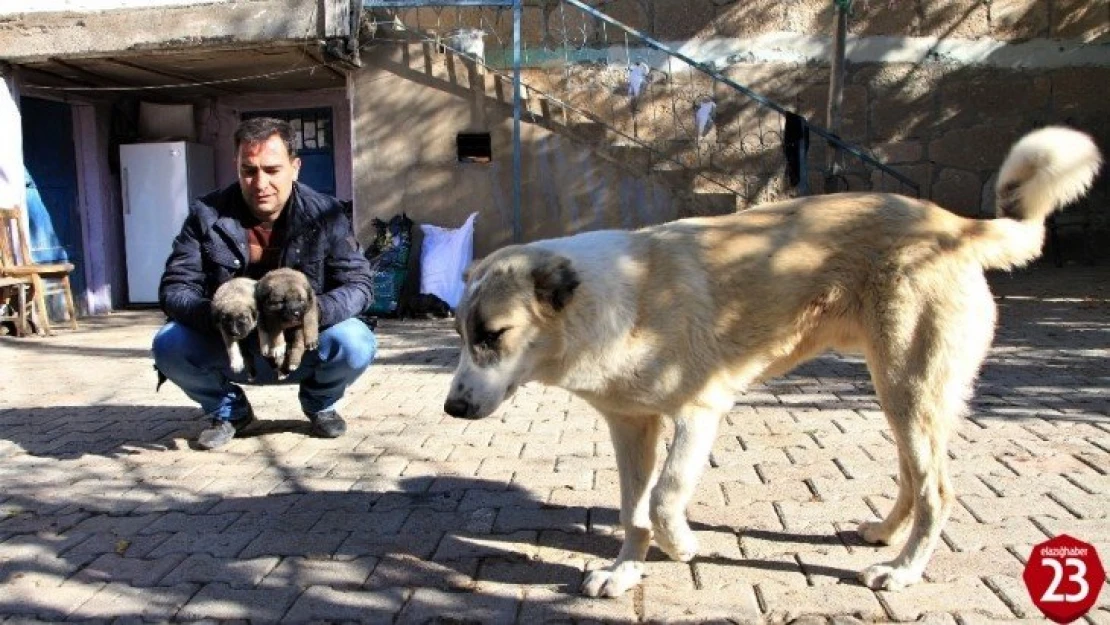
286 302
235 312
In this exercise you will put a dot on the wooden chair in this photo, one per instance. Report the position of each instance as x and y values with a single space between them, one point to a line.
16 307
16 263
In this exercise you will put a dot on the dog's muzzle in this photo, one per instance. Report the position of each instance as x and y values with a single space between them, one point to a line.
292 314
239 330
461 408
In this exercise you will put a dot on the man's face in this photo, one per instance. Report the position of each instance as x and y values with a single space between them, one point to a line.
266 175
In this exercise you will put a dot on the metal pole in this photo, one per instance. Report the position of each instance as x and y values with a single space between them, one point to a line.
518 173
803 159
836 95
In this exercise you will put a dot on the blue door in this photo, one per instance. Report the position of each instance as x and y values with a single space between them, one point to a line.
314 144
54 218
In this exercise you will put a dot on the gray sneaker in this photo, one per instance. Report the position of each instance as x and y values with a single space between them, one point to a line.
221 432
328 424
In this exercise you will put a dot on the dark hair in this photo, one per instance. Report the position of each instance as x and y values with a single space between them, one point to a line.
258 129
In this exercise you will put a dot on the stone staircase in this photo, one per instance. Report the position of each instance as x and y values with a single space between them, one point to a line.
736 162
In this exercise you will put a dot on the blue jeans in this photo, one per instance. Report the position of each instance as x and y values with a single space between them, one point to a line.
197 363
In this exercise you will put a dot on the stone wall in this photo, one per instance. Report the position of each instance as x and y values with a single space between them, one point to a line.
938 90
1002 20
671 21
946 127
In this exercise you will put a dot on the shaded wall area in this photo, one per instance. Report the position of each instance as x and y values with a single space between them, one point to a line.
946 127
406 118
1009 20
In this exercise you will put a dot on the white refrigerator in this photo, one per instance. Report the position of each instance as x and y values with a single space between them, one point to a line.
159 182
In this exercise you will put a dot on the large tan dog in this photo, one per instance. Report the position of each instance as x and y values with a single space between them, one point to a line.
675 319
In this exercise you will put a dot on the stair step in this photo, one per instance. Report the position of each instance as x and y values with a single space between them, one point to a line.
712 204
677 178
591 132
552 112
635 156
717 182
673 161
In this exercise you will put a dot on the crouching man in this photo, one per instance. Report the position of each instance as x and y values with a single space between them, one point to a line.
267 220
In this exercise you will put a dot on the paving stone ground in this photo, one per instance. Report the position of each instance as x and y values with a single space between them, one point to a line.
108 515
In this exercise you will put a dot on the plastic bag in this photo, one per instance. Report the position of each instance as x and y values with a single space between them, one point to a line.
388 254
446 253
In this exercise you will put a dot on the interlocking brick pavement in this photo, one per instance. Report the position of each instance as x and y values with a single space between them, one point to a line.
108 515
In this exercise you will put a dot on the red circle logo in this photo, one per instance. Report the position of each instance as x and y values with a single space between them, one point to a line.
1064 576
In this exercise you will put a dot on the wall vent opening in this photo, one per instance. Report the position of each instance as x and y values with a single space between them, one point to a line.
474 147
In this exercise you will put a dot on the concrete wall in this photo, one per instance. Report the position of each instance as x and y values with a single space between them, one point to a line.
38 36
406 121
43 6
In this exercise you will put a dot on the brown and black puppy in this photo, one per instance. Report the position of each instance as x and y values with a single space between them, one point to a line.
235 312
287 304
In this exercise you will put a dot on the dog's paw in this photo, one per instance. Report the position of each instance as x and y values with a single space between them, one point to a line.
311 347
613 581
888 577
277 354
874 533
236 363
676 540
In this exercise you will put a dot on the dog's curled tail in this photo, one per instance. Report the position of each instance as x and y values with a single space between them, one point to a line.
1044 171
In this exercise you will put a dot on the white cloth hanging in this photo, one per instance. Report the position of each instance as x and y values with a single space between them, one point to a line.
637 78
13 187
703 116
470 41
444 255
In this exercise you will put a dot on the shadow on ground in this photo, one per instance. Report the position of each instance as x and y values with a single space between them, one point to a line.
351 555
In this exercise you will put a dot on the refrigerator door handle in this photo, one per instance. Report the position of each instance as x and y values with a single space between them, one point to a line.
126 192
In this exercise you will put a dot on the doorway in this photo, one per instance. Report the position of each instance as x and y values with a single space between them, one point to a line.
53 207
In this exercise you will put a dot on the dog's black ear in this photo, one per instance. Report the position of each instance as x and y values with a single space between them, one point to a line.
555 281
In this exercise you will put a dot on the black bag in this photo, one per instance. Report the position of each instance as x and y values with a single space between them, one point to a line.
389 255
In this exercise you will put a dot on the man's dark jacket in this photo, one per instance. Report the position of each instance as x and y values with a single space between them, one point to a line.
212 249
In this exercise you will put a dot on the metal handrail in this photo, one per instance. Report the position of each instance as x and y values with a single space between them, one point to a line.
826 134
